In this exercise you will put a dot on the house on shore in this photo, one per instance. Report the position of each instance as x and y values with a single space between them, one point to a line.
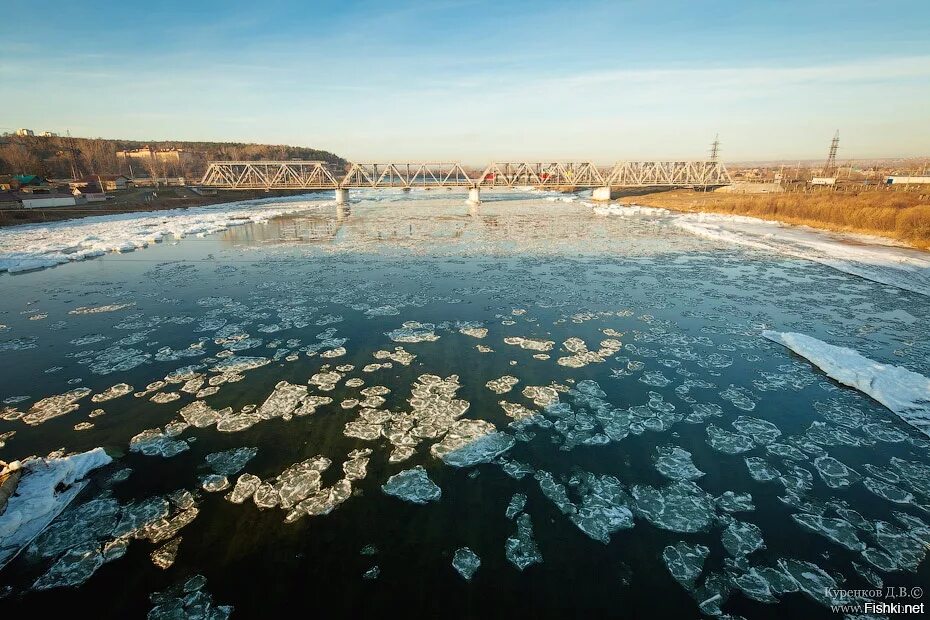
38 201
91 192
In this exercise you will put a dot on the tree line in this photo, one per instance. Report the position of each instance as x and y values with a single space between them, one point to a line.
66 157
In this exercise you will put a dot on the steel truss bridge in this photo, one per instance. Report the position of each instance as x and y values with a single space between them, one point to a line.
300 175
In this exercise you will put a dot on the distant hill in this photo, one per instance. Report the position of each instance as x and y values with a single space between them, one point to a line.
60 156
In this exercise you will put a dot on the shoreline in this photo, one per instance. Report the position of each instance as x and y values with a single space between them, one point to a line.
900 217
132 201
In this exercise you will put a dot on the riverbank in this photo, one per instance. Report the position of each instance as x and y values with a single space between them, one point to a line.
133 200
902 216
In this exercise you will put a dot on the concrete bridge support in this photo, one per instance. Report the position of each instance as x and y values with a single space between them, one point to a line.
342 195
601 193
474 195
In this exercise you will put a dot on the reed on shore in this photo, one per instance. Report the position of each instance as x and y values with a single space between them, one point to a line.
903 216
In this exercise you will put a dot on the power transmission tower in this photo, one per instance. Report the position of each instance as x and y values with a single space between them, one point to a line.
830 167
715 148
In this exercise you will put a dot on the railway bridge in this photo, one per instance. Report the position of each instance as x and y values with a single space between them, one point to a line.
317 175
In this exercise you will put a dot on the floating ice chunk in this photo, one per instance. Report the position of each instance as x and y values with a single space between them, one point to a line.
45 488
101 309
675 463
233 423
888 491
603 509
283 401
515 469
238 364
727 442
516 505
244 489
412 485
733 502
503 384
685 562
155 442
839 531
231 461
55 406
200 415
164 556
812 580
466 562
741 398
187 600
679 507
741 538
73 568
162 398
762 432
412 331
469 442
521 548
474 332
834 473
903 391
120 389
530 344
542 396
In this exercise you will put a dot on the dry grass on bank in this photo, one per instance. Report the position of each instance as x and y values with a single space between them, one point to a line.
903 216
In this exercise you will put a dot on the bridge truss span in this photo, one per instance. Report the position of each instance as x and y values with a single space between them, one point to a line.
667 174
541 174
407 175
309 175
269 175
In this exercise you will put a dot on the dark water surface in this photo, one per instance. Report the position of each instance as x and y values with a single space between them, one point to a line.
687 314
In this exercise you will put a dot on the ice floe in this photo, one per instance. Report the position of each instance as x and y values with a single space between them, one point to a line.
466 563
903 391
412 485
45 488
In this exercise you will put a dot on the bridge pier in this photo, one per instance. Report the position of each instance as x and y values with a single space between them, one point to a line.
474 195
342 195
601 193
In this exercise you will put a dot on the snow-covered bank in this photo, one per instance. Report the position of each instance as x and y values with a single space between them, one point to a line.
30 247
868 257
905 392
47 486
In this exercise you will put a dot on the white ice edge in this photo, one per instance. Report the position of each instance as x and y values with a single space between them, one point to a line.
903 391
37 246
865 256
37 502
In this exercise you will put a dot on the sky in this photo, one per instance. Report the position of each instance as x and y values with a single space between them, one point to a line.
475 81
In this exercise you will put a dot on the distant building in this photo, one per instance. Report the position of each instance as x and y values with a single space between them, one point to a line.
164 156
898 180
823 181
30 180
91 192
36 201
49 134
25 132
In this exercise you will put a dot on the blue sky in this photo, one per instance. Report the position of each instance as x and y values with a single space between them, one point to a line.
475 81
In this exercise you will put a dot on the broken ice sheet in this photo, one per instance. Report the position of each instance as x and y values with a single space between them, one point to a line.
679 507
727 442
469 442
741 538
521 548
685 562
675 463
412 485
189 601
466 562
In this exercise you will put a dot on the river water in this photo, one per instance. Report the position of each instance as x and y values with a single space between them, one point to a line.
651 453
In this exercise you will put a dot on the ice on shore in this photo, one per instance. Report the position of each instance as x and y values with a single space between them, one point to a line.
871 258
46 487
903 391
34 246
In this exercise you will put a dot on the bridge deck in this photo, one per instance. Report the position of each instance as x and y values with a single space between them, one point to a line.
319 175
